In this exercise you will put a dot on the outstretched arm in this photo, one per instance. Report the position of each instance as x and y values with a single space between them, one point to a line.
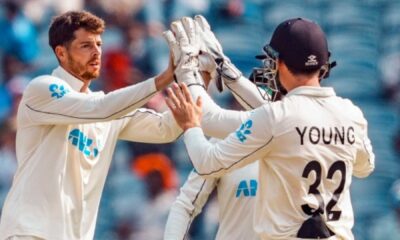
213 60
184 44
216 121
147 126
190 202
50 100
247 93
240 148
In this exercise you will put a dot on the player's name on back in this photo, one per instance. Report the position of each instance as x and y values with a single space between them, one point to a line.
326 135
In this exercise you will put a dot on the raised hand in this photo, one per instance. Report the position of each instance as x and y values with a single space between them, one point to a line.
212 57
185 48
186 112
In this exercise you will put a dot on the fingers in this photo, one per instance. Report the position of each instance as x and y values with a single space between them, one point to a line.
170 38
174 100
186 93
172 44
170 104
199 19
178 93
180 33
199 102
189 27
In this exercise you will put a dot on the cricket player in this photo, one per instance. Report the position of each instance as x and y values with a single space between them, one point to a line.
236 193
66 136
310 144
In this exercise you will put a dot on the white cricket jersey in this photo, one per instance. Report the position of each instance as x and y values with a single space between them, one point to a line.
309 145
236 192
65 141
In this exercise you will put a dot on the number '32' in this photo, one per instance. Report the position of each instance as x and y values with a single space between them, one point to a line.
315 166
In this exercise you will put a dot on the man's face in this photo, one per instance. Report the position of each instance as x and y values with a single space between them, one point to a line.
82 57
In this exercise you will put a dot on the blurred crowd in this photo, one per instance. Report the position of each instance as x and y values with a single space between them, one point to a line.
144 179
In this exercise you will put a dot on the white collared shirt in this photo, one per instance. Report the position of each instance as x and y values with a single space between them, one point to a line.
65 141
236 193
309 145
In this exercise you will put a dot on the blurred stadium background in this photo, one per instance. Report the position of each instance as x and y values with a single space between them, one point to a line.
364 38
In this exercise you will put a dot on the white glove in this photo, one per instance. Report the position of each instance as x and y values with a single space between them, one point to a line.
212 57
185 48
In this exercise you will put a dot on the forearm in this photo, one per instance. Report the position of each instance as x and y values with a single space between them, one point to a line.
164 79
193 195
214 160
148 126
246 93
217 122
178 223
238 149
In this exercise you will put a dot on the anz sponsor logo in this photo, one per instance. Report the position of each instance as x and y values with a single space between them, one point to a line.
244 130
247 188
58 91
83 143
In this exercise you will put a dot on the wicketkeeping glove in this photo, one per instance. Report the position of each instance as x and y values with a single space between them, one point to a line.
185 48
212 59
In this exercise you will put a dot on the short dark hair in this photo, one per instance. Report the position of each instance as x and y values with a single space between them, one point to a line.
308 72
63 27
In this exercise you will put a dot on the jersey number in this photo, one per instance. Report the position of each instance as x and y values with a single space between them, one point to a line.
316 167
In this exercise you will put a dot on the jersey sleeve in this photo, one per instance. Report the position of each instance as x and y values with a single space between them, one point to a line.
50 100
246 93
249 142
216 122
146 125
365 158
192 197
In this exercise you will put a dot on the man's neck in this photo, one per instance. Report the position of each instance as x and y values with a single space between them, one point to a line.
304 82
86 83
85 87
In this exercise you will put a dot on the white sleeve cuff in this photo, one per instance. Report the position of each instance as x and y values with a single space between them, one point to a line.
152 84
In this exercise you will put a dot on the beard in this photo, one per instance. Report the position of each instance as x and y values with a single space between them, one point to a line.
81 70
